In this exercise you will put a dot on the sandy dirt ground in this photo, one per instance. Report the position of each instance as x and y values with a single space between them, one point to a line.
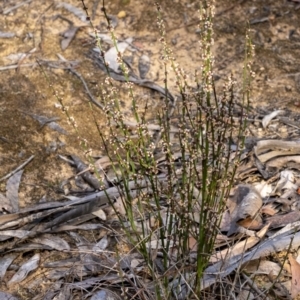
36 31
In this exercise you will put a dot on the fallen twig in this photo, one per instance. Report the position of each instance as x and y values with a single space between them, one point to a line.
17 66
18 168
8 10
71 69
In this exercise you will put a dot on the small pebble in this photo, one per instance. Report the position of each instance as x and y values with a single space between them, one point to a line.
288 88
122 14
282 129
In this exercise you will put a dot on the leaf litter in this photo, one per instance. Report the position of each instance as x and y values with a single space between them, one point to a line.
249 225
38 225
245 210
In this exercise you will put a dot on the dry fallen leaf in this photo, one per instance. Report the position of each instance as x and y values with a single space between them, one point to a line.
12 190
268 118
262 267
7 296
25 269
295 266
269 210
105 294
244 209
240 247
282 220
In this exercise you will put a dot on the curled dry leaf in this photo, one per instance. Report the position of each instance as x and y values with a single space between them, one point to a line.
244 209
268 118
100 214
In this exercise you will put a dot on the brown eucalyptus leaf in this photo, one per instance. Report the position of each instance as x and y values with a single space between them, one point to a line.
268 118
64 293
282 220
100 214
244 207
102 163
280 162
265 171
219 270
81 242
69 262
269 210
12 190
57 274
105 294
245 294
20 219
264 145
262 267
5 204
52 241
286 181
251 223
25 269
295 267
30 247
225 221
78 12
71 214
68 36
18 233
5 262
92 263
86 175
56 127
81 227
101 245
240 247
144 66
276 153
94 281
7 296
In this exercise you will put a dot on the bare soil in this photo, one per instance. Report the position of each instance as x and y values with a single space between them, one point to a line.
38 27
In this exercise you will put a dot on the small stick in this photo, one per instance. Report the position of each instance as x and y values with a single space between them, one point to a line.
8 10
84 83
17 66
18 168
